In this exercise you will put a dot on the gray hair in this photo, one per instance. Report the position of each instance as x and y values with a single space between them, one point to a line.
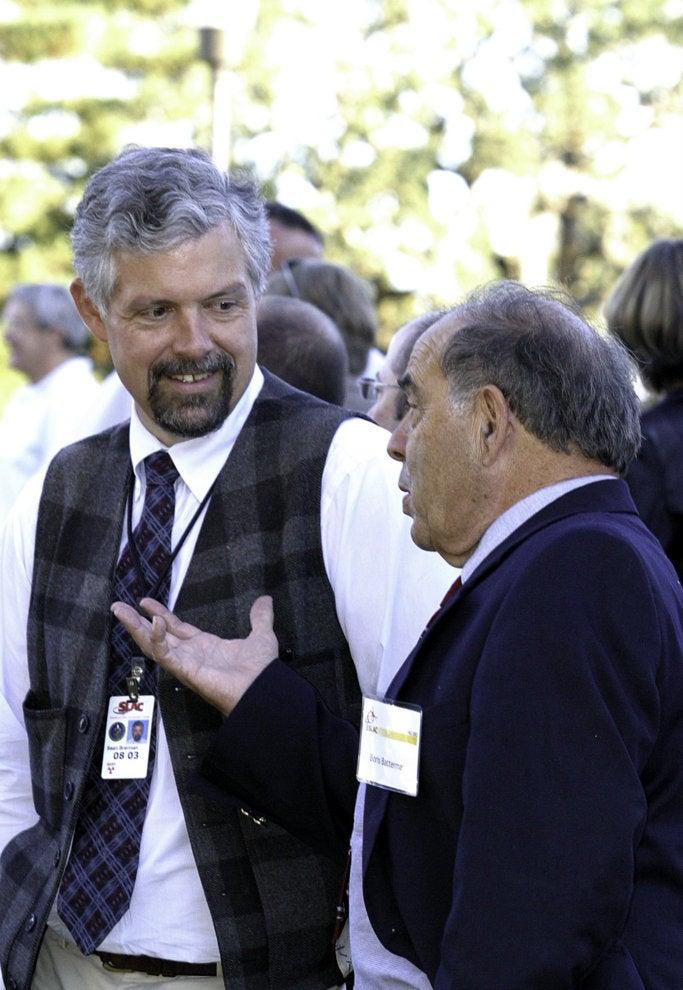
569 386
149 200
52 308
417 327
301 344
346 298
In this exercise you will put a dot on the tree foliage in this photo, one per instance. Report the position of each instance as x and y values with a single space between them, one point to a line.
437 144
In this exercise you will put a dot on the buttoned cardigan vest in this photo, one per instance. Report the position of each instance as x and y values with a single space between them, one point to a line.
271 899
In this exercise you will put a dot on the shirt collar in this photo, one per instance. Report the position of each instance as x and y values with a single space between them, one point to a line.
517 515
200 459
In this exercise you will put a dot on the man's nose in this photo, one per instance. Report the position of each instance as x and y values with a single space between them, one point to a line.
191 336
396 447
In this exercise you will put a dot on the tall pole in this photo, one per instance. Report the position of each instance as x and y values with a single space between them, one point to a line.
212 47
222 42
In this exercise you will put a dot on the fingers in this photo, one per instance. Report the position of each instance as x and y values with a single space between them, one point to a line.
172 623
158 636
159 641
153 607
135 625
261 614
150 637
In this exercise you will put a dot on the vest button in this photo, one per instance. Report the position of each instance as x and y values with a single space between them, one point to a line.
83 723
68 790
30 922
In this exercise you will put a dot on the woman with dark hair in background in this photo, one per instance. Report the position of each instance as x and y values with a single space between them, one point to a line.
645 311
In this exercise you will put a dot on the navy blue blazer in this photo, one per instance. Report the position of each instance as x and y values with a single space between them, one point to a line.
656 476
544 849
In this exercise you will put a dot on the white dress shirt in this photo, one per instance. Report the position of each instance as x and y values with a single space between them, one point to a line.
112 405
385 590
39 420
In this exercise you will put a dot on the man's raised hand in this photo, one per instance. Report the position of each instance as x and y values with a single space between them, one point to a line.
220 670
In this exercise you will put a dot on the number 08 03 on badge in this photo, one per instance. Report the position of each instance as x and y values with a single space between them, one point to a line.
127 735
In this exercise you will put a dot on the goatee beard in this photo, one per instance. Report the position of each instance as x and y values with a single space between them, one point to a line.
192 415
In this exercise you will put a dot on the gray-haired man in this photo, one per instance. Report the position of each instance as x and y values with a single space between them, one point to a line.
254 488
46 338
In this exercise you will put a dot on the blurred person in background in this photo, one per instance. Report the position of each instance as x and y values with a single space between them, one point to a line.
645 311
389 404
292 235
349 301
46 339
302 346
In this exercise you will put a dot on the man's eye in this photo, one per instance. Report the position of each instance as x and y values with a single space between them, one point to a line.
156 312
222 305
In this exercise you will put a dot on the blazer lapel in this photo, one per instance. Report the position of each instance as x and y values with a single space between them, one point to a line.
605 496
598 496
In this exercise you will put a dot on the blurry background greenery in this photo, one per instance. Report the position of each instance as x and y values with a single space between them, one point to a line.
438 144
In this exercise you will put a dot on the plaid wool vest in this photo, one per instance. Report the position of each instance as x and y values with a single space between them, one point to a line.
272 900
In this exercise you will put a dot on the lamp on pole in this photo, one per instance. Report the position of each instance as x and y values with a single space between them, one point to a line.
223 33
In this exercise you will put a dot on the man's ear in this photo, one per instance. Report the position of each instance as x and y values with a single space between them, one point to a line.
494 422
88 311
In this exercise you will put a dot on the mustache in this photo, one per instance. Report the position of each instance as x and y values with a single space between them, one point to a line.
216 361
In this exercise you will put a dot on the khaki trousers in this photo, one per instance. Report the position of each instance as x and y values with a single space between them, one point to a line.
62 967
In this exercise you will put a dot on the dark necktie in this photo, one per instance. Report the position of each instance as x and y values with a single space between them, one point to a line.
446 600
100 875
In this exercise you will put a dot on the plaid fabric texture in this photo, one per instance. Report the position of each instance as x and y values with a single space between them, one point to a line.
98 881
272 899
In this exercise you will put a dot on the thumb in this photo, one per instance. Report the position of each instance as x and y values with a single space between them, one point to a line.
261 615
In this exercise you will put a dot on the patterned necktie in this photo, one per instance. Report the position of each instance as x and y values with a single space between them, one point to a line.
100 875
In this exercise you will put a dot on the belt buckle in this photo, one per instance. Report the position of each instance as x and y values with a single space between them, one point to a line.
112 968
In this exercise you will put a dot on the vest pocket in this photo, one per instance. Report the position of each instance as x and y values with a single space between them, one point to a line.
46 731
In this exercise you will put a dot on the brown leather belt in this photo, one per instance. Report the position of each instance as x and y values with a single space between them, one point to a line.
155 967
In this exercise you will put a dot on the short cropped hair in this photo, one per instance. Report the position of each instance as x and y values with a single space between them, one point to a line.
288 217
346 298
149 200
52 308
400 360
645 311
301 345
568 385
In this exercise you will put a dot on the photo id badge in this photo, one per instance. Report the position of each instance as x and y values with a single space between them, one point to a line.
389 751
127 736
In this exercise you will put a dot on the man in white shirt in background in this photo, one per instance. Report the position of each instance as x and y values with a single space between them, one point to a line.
46 338
269 491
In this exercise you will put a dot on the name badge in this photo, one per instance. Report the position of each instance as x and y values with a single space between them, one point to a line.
127 736
389 751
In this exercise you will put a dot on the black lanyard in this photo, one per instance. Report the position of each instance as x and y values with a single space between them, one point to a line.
172 556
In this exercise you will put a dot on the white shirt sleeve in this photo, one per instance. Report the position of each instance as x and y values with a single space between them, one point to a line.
17 539
385 587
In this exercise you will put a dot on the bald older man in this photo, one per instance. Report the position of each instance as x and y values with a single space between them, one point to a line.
389 404
522 789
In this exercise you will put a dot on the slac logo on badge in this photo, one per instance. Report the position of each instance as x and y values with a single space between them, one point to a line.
125 706
127 736
389 751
